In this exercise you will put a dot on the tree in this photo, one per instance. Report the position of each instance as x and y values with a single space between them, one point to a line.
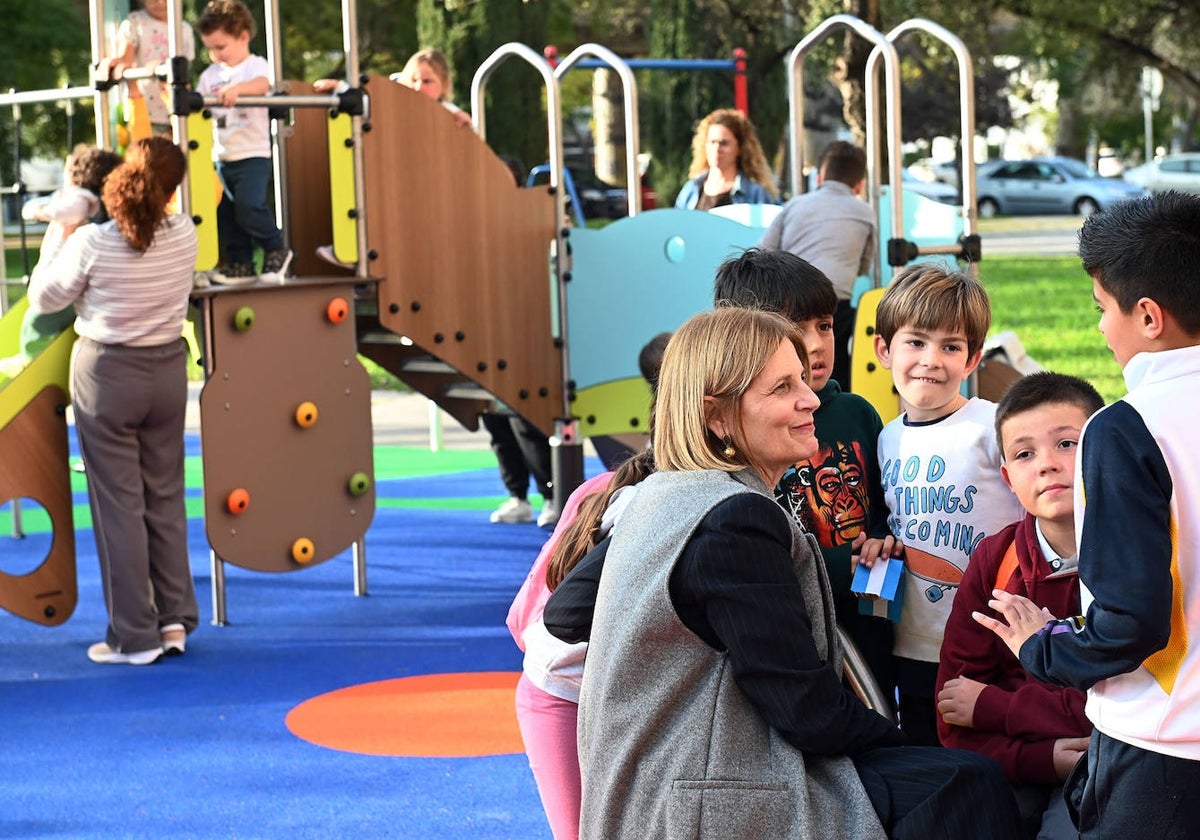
47 46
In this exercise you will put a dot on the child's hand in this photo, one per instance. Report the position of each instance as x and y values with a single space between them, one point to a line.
228 95
866 551
462 119
1023 616
1067 752
956 701
325 85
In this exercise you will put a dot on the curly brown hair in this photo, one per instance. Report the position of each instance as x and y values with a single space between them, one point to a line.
88 166
751 160
229 16
137 191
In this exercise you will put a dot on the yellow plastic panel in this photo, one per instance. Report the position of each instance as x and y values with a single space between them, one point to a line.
341 188
205 189
868 378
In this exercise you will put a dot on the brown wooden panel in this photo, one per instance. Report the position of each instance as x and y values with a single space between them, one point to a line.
296 477
463 253
34 447
309 219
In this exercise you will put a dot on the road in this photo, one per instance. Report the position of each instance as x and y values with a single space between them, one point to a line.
1042 236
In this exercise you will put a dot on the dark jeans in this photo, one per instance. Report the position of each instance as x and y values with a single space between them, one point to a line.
244 216
934 793
1123 791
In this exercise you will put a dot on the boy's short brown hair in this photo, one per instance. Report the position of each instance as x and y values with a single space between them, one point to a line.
1045 388
931 296
229 16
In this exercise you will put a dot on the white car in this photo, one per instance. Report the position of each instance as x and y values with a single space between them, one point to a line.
1172 172
936 190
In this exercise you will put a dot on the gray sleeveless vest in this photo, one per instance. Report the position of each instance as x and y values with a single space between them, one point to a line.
669 747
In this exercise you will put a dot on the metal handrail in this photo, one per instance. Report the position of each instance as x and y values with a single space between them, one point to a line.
633 175
796 104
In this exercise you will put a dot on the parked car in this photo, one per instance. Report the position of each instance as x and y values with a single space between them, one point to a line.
937 190
927 169
1047 185
596 199
1172 172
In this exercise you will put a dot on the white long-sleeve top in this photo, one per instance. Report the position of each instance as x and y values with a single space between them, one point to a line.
121 296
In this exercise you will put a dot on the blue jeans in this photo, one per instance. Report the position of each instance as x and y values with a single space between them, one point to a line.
244 216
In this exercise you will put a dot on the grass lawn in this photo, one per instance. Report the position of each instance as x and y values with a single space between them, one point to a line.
1046 301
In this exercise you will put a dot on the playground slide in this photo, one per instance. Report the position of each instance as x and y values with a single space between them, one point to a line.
33 455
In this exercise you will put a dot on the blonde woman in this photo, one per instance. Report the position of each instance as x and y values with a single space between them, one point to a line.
728 166
712 702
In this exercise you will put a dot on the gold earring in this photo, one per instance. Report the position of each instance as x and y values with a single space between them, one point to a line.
729 450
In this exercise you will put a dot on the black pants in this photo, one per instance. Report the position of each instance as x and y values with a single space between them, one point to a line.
843 332
521 451
934 793
1123 791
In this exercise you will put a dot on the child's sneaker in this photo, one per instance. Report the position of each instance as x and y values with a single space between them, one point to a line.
513 511
275 265
233 274
325 252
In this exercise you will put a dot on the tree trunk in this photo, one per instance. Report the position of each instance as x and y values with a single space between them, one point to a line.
851 66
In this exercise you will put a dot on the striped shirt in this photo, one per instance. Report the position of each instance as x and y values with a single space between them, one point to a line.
121 296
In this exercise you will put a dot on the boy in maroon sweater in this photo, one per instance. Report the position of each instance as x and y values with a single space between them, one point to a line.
986 701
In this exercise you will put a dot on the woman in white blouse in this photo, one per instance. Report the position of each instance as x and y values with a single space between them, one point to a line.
129 280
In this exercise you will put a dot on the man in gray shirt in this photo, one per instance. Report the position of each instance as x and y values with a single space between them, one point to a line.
833 229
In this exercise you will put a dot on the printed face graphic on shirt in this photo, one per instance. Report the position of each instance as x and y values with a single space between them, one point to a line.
832 487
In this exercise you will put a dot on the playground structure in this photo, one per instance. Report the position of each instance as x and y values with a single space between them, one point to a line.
466 287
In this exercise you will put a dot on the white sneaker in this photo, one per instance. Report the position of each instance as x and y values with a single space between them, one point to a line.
174 639
513 511
102 653
548 518
325 252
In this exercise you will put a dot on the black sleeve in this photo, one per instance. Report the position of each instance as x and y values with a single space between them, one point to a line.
736 588
568 613
1126 555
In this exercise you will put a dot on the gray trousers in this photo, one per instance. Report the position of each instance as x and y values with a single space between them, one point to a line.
130 404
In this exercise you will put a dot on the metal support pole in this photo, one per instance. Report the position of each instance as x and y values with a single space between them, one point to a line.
180 84
100 102
279 128
217 565
359 559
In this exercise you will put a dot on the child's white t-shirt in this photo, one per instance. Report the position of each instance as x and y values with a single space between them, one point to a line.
944 494
239 133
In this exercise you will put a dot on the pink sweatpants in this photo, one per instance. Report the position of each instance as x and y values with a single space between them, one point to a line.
548 728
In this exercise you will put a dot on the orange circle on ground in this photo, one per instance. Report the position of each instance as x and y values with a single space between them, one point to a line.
433 716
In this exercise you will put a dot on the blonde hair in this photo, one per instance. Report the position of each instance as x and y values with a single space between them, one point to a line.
715 354
437 62
751 160
929 296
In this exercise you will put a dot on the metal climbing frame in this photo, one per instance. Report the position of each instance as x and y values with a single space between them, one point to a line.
968 246
891 63
629 93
